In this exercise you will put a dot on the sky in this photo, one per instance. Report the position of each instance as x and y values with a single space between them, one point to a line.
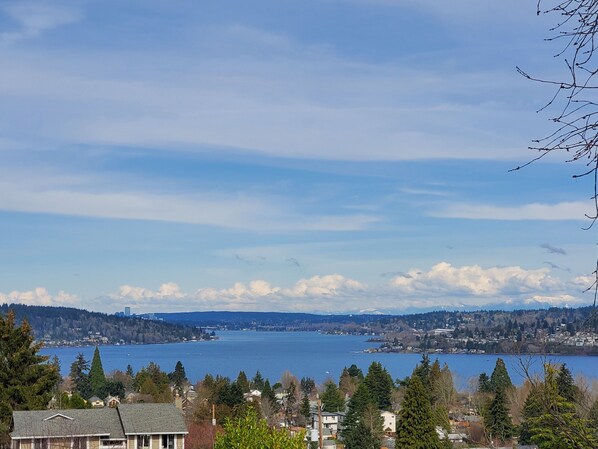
330 156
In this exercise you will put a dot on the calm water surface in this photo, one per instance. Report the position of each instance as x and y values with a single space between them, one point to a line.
303 353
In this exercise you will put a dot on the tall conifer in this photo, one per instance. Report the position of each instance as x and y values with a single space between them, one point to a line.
26 380
415 426
97 378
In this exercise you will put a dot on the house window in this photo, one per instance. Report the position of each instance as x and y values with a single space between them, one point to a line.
16 444
40 443
106 442
167 441
143 441
79 443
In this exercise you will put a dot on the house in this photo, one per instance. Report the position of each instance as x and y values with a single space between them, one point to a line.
112 401
96 402
129 426
389 423
331 423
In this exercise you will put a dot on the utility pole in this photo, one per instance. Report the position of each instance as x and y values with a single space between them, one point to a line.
320 436
213 425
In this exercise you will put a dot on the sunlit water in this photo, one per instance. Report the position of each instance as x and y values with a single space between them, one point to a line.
303 353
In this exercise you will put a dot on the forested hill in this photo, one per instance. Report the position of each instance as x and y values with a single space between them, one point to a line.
69 326
273 320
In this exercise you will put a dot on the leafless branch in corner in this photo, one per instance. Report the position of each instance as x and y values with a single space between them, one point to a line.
575 99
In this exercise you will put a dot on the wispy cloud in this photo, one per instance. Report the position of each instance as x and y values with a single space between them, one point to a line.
234 211
33 18
291 261
535 211
553 249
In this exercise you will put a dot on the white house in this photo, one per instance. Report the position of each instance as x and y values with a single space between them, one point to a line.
389 422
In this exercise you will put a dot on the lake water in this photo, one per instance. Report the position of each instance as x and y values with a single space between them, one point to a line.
303 353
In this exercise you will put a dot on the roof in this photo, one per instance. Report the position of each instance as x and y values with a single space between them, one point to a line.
67 423
151 418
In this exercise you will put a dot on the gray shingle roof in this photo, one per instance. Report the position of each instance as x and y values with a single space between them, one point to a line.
151 418
67 423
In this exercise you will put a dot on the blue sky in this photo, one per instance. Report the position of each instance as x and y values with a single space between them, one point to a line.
325 156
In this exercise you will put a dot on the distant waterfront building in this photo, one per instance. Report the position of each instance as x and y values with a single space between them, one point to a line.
127 311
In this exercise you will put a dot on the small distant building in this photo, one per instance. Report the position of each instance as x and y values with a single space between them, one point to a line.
331 423
127 311
96 402
112 401
389 424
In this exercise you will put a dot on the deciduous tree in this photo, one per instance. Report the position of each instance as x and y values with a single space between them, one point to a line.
249 431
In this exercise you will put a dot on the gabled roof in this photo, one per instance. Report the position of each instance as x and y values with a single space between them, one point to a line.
151 418
67 423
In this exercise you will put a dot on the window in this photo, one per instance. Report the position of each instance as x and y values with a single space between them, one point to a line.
167 441
106 442
79 443
16 444
143 441
40 443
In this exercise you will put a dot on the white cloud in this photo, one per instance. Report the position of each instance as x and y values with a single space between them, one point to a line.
443 279
442 286
169 290
40 297
534 211
556 300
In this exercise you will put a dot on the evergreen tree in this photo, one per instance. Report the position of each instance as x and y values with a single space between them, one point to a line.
112 388
380 385
355 408
423 371
243 382
307 385
497 420
435 375
556 425
355 371
305 409
532 409
80 377
566 386
130 372
361 428
500 379
359 436
268 393
332 399
26 380
258 381
97 378
231 394
484 385
347 384
178 376
415 426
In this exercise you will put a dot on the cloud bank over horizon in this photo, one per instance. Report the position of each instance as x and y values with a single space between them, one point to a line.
443 286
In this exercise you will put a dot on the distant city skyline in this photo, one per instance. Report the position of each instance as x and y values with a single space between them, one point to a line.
340 156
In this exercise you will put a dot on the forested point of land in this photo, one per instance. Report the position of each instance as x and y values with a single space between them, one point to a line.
62 326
